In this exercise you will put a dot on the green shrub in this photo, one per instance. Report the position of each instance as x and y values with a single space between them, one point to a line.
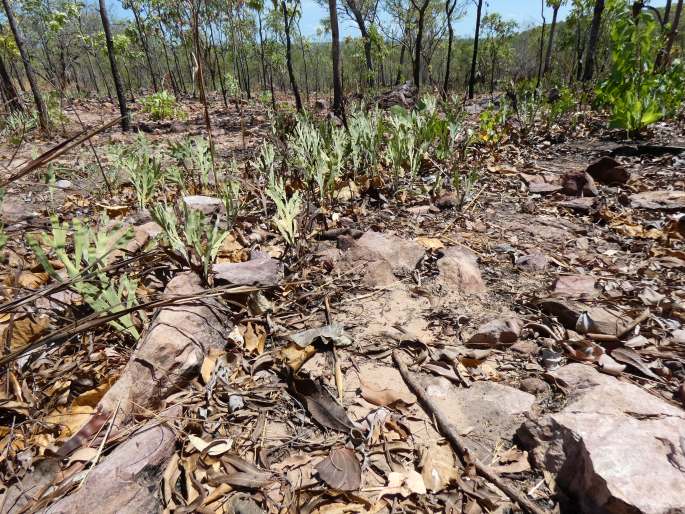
162 106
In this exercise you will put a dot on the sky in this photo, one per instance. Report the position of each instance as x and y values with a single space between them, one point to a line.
524 12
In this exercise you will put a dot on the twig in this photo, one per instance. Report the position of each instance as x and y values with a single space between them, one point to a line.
102 445
457 443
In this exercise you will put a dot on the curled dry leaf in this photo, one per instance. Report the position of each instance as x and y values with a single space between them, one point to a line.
31 280
512 461
320 404
341 470
25 330
438 467
386 397
403 483
633 359
255 338
213 448
294 357
334 333
610 366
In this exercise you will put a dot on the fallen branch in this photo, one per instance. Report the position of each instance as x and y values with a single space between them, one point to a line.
56 151
457 443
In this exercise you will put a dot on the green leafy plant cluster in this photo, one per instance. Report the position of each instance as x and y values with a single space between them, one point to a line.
194 158
636 92
142 166
83 252
162 105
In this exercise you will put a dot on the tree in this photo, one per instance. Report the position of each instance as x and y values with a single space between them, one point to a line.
591 48
472 76
555 5
450 6
542 43
497 33
8 90
335 58
363 12
42 109
664 56
418 45
118 85
288 16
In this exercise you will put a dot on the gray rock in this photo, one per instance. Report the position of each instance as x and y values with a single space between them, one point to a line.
534 386
459 268
64 184
207 205
678 336
498 332
532 262
260 270
489 412
614 447
659 200
525 347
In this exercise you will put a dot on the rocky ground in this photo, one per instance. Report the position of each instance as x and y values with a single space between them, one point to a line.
544 321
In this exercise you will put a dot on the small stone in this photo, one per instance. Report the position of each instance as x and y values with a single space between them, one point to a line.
235 402
534 386
459 268
678 336
447 201
578 183
499 332
532 262
64 184
525 347
608 171
574 286
207 205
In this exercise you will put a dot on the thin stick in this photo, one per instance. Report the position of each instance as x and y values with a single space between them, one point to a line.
458 444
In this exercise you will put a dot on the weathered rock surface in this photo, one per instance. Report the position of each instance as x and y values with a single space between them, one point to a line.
608 171
459 269
533 262
659 200
378 257
260 270
602 320
128 480
207 205
171 353
489 412
498 332
614 448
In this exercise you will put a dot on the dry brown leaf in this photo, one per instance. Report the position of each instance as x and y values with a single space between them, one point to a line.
438 467
430 243
512 461
386 397
341 470
255 338
31 280
70 419
295 357
26 330
93 396
213 448
404 483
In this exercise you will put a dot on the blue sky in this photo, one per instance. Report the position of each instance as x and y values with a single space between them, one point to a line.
524 12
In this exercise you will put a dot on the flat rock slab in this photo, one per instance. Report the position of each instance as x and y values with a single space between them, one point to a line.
459 270
260 270
379 257
614 448
487 411
659 200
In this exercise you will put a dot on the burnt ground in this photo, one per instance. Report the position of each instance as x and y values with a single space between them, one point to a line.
476 301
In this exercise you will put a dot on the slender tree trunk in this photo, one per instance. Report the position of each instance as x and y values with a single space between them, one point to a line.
474 57
8 90
449 10
146 48
550 43
304 65
418 47
37 96
664 57
262 58
361 23
288 56
667 12
335 57
118 85
398 78
542 45
591 48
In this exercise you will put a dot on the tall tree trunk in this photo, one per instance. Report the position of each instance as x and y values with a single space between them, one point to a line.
261 49
37 96
8 90
542 44
335 57
664 57
474 57
400 64
118 85
418 47
449 10
667 12
287 19
550 43
591 48
146 48
304 64
361 24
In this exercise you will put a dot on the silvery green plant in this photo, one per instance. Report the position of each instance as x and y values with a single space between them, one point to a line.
195 240
143 168
195 159
287 209
365 139
266 161
230 195
83 252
